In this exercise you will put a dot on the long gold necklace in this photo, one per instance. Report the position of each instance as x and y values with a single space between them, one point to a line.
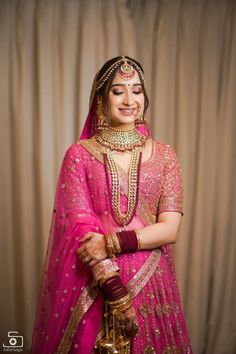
119 140
133 186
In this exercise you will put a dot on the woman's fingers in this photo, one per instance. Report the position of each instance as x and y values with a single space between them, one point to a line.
92 248
127 322
92 263
81 250
87 259
132 328
87 236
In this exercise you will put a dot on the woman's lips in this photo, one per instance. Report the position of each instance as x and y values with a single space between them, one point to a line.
127 111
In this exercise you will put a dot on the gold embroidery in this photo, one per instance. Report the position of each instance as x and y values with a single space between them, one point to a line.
145 310
149 350
171 349
143 211
137 283
171 203
159 310
93 148
84 302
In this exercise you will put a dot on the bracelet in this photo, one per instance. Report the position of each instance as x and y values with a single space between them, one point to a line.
122 242
123 307
104 267
109 246
124 304
113 289
116 244
139 239
128 241
120 301
108 276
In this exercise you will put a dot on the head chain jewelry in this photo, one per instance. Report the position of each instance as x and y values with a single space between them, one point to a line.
114 66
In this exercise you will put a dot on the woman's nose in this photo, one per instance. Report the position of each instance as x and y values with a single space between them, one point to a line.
128 99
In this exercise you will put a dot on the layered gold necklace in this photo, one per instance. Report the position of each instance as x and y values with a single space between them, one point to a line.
119 140
133 187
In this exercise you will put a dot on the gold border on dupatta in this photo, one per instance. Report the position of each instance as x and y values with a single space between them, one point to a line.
84 302
94 148
135 285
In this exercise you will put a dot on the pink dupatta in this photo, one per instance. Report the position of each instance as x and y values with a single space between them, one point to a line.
65 277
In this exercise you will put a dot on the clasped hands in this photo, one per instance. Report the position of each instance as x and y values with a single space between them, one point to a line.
92 249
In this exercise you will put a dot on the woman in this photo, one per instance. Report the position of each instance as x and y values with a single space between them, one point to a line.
109 282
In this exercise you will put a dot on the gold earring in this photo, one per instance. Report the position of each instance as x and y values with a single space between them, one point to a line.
102 120
140 119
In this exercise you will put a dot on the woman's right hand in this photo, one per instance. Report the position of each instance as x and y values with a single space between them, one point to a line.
92 249
127 322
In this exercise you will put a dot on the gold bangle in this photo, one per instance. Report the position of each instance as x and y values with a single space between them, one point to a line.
122 307
106 277
138 239
122 300
109 246
116 243
124 304
104 267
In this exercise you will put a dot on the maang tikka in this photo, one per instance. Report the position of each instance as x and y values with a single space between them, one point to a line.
102 120
126 71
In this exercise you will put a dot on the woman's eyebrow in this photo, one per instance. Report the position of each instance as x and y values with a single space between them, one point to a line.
136 84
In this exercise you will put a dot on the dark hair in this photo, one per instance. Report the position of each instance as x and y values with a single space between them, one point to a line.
104 89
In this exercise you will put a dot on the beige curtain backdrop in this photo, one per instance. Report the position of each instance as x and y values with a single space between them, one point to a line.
49 53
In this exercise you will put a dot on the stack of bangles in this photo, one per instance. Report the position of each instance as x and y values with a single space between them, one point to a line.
110 285
115 293
121 305
122 242
106 272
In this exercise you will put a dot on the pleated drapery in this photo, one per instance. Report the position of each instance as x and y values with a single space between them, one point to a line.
50 51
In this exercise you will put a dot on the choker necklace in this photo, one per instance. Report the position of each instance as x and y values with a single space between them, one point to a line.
120 140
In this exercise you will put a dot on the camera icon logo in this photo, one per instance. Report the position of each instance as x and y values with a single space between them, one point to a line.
14 340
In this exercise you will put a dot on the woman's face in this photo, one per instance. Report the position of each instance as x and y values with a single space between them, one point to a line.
125 100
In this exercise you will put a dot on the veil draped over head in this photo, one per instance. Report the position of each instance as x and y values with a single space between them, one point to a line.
90 126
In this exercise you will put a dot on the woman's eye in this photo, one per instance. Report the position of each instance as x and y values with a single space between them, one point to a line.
137 92
117 92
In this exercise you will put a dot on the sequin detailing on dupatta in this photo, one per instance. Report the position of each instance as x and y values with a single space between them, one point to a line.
84 302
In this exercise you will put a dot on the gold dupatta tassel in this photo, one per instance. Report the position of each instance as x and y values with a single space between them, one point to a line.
114 340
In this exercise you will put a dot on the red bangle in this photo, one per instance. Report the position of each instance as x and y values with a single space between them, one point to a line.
113 289
128 241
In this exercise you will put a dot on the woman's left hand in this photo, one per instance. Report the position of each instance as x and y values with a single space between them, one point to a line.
92 249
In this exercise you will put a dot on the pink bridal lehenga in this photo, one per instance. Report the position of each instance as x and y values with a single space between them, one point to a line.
70 311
